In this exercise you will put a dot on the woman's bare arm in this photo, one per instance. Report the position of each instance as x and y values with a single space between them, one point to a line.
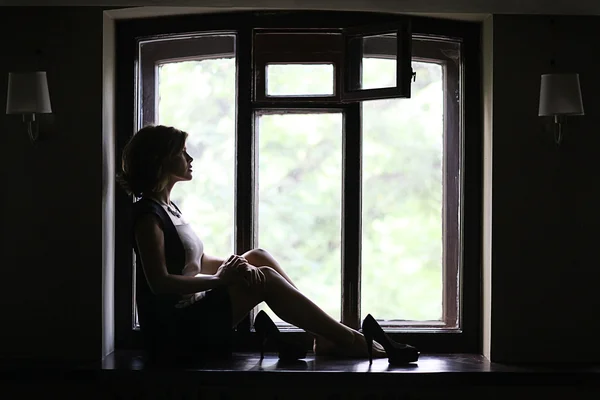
210 264
151 246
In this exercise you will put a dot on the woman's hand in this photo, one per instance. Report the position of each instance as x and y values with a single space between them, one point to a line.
237 270
252 275
229 271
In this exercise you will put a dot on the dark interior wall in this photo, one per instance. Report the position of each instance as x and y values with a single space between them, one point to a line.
50 204
545 270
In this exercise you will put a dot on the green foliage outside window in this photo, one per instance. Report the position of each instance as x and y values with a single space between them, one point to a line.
300 184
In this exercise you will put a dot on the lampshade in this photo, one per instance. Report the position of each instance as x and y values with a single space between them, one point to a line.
560 94
28 93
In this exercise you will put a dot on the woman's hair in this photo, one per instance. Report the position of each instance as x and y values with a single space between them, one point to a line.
144 157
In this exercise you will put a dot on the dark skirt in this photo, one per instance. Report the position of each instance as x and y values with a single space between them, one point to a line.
202 330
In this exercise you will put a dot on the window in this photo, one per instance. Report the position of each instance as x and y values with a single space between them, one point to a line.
195 91
341 150
300 199
410 214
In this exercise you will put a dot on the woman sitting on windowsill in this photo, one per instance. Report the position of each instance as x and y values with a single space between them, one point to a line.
188 301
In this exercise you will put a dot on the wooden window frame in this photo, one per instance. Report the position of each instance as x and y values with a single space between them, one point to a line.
402 28
272 47
468 338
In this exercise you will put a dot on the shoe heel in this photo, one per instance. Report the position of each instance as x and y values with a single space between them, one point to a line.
263 340
261 327
369 340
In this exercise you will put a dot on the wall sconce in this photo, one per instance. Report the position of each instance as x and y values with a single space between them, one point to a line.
560 96
28 95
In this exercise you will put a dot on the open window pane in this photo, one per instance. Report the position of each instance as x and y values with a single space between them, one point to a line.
299 216
377 61
300 80
198 97
403 202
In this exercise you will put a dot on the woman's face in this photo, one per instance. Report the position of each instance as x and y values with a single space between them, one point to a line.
180 166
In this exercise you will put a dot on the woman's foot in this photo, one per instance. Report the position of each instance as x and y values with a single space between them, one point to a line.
323 347
358 348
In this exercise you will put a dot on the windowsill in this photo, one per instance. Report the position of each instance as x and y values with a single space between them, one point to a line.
246 369
451 365
125 374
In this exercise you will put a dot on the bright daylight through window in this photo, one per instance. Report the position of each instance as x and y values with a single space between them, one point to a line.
410 180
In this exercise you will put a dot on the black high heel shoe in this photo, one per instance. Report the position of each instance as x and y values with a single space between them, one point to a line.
398 353
267 330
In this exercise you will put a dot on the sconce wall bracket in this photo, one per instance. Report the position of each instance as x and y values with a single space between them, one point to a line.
33 129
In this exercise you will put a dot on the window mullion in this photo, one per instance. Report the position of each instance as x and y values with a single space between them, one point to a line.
351 215
244 169
245 174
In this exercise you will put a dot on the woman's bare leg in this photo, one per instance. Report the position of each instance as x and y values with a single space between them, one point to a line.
295 308
264 258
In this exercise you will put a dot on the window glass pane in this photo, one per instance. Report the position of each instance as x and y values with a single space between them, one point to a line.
198 96
379 61
300 80
402 219
300 174
373 59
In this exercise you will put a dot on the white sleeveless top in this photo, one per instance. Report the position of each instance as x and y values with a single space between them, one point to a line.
194 249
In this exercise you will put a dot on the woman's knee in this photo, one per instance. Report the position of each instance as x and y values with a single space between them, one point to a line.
272 277
260 252
256 256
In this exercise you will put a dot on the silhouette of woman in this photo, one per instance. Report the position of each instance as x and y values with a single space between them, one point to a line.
188 301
